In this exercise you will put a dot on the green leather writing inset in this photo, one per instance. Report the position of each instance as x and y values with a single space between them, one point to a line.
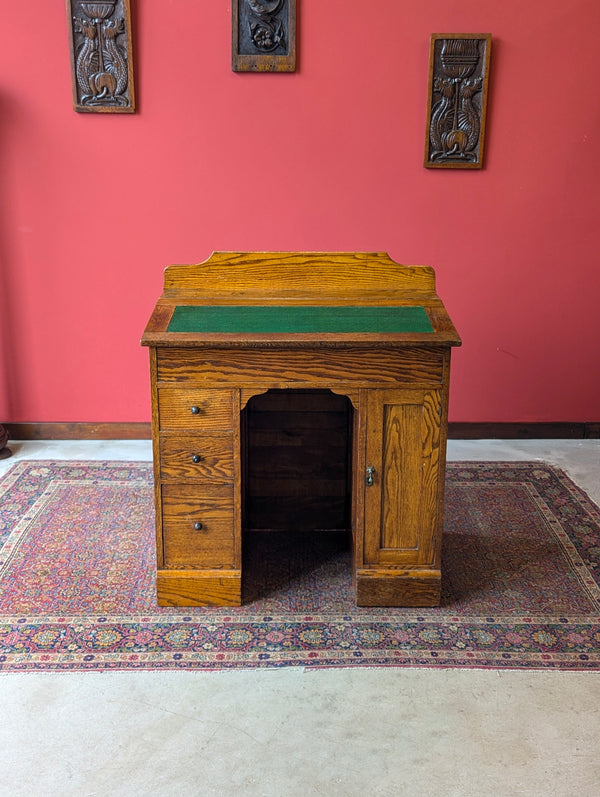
298 318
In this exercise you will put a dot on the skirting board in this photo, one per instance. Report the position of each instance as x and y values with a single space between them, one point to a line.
456 431
78 431
524 431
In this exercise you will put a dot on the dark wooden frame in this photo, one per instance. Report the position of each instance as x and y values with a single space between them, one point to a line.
280 16
457 100
108 70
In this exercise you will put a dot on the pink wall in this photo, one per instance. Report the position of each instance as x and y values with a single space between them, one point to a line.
93 207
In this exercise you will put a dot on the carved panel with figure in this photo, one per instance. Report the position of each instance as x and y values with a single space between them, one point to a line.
263 36
101 56
457 100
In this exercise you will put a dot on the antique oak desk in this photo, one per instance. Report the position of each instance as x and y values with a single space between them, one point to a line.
352 324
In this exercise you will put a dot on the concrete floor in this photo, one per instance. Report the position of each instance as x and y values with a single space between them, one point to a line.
288 732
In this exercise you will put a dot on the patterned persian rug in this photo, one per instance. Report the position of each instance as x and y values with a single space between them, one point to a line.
521 582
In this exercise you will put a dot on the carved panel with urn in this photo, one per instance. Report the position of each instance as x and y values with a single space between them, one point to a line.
101 56
263 36
457 100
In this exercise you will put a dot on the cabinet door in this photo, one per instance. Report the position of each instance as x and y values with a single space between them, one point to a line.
403 491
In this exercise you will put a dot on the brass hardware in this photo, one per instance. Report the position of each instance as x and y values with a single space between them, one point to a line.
197 458
369 476
195 410
198 526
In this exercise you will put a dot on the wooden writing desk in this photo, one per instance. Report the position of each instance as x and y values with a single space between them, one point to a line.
359 325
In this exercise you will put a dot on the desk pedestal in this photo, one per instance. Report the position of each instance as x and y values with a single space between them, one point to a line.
398 442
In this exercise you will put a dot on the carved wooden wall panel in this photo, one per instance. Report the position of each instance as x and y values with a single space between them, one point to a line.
101 56
263 35
457 100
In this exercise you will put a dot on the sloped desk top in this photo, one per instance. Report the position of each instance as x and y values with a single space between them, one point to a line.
290 298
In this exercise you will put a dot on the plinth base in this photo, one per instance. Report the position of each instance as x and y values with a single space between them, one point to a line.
199 587
398 587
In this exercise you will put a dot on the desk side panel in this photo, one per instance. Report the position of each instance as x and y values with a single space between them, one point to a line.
156 456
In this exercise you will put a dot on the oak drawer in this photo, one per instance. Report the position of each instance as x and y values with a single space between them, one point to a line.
195 408
358 366
184 507
196 456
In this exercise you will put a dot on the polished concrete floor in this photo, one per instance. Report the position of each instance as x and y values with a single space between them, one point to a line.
290 732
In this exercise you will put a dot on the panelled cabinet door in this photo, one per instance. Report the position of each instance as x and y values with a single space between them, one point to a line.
402 477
